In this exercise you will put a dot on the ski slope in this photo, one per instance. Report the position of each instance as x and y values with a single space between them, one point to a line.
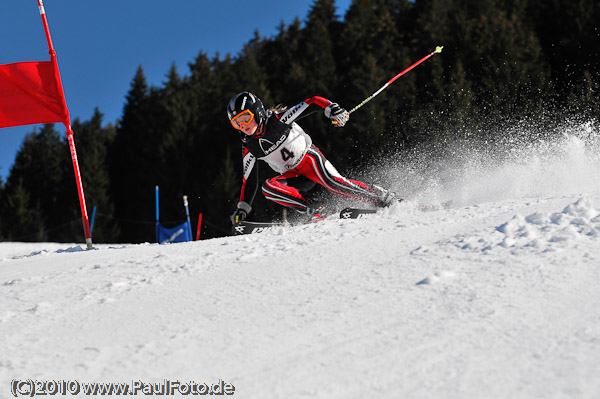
496 297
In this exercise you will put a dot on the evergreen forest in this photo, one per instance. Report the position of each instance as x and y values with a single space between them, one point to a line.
504 61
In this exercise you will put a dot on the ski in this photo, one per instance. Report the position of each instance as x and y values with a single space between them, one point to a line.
356 213
245 227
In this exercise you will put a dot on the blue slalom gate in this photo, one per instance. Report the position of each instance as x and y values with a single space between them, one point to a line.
179 233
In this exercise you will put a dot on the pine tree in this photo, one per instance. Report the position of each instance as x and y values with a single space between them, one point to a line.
36 202
492 63
93 143
22 216
211 85
374 51
132 167
570 38
316 58
316 52
283 63
250 71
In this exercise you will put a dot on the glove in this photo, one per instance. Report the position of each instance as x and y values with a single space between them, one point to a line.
338 115
242 211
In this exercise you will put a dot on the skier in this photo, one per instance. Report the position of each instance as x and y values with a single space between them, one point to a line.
273 136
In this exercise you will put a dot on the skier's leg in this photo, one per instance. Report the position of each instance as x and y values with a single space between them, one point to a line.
277 190
315 166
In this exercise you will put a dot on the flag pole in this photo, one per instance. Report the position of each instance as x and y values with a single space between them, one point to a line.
69 133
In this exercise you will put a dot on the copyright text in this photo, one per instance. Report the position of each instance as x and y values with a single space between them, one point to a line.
31 388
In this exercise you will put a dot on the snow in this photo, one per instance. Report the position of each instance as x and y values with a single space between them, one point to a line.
496 296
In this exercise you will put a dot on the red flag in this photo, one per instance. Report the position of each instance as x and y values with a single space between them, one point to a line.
29 94
32 92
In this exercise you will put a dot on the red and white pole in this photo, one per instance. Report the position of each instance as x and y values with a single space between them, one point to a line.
69 133
437 50
199 226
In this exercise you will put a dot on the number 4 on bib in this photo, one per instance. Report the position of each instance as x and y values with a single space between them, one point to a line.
286 154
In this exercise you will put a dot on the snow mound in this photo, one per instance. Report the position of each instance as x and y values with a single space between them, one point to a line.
437 277
541 231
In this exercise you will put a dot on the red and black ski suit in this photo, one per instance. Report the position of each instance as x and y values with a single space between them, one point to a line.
288 150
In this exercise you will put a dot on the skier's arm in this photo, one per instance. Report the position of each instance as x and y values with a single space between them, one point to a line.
333 111
249 187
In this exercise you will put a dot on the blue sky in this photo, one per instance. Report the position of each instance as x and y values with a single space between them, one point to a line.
100 44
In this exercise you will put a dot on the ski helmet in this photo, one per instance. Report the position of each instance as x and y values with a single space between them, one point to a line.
246 100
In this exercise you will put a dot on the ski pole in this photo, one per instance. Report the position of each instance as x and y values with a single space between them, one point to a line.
437 50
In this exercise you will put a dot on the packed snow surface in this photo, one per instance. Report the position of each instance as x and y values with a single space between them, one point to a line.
496 296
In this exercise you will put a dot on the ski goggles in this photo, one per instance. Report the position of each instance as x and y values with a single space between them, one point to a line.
242 119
